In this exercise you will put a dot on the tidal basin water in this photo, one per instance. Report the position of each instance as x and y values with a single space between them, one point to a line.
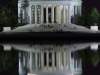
49 59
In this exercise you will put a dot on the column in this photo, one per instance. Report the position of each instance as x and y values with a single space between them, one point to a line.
30 14
20 63
67 60
47 59
36 60
64 14
75 63
80 63
46 13
77 13
59 14
39 62
24 61
42 60
69 15
80 10
70 62
31 61
35 14
59 61
20 14
19 10
56 15
52 13
74 15
41 14
75 9
25 15
64 60
53 60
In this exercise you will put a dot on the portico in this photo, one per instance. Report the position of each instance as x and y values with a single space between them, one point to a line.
51 11
50 14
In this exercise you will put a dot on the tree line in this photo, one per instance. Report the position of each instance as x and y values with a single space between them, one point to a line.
8 14
89 18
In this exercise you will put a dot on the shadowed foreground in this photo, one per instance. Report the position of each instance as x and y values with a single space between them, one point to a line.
49 35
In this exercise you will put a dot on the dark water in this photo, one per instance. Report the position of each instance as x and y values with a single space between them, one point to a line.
50 58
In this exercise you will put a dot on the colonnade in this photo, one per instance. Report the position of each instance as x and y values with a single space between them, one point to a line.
60 58
58 13
66 15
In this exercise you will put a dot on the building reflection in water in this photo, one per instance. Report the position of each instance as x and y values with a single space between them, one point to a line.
50 59
54 62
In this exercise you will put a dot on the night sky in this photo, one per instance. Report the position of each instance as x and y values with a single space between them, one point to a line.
91 3
4 2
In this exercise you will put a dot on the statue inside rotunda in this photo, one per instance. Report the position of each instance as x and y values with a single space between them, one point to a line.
49 15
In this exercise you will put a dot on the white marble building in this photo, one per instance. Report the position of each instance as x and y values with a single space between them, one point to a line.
49 11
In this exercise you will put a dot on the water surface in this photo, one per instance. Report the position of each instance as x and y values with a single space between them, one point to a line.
49 58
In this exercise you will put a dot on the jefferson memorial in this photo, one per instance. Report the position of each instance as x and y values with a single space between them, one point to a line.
49 11
41 16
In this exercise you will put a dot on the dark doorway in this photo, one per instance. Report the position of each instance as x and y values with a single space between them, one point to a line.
45 59
55 59
50 59
49 15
